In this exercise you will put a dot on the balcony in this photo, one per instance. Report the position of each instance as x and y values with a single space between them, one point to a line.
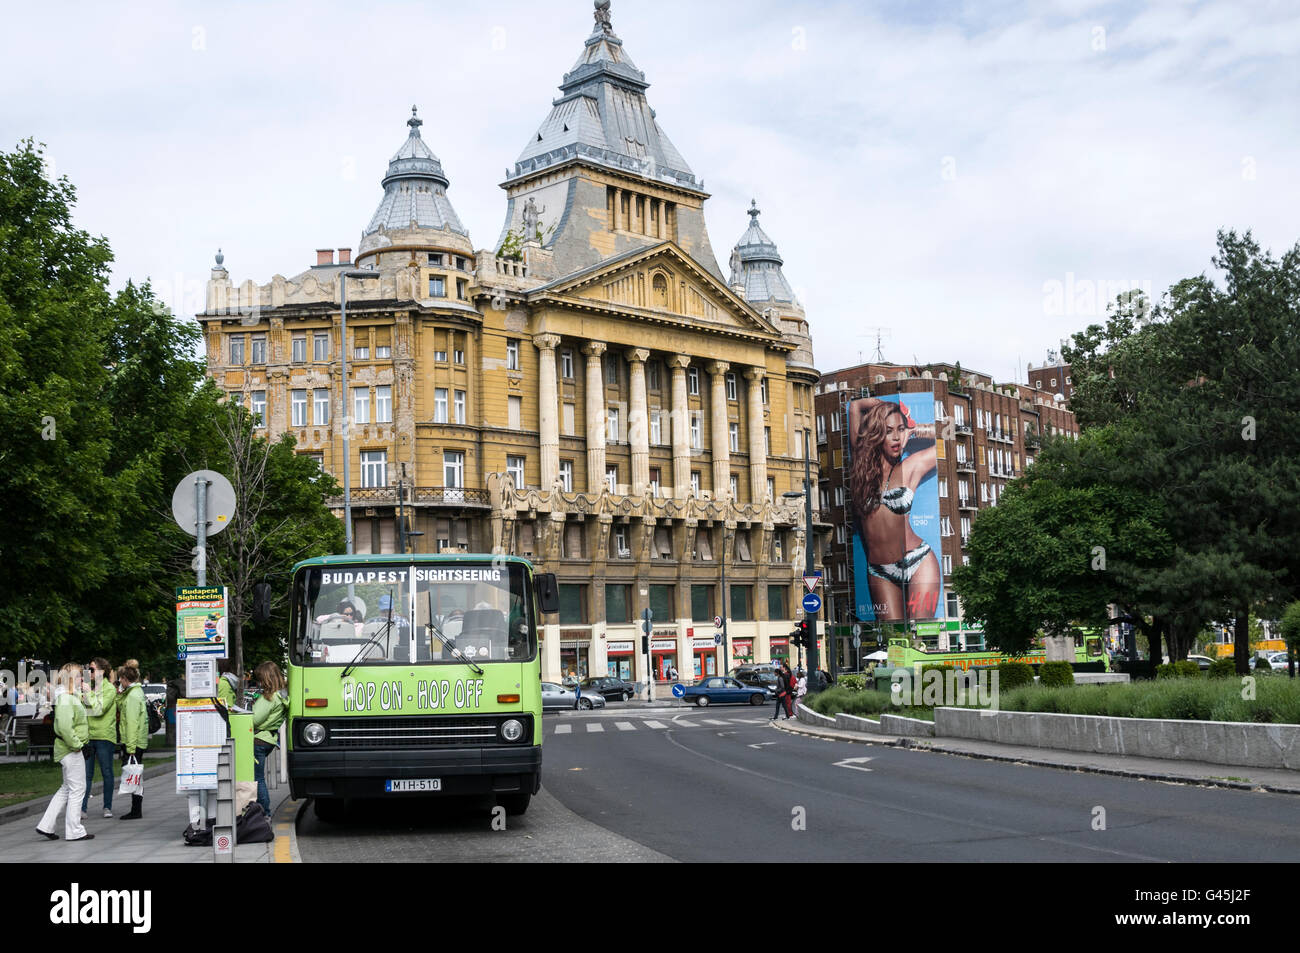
962 428
966 503
420 496
965 466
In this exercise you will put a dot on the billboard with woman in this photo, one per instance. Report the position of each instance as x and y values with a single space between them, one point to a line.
894 501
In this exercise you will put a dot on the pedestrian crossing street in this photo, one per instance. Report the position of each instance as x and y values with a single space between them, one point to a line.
597 727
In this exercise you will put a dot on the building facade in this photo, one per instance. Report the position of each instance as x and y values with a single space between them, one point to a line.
987 433
592 393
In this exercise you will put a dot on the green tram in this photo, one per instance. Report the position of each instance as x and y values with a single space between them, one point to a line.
1088 647
416 676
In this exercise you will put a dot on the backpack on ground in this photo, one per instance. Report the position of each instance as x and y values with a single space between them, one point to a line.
155 716
253 826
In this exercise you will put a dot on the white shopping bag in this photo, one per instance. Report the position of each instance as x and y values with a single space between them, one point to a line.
132 778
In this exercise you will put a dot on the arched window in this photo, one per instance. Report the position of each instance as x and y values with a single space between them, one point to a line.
660 288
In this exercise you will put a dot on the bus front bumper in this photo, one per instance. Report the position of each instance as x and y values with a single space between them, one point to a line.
460 771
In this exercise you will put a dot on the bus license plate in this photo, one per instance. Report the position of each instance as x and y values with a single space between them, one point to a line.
413 784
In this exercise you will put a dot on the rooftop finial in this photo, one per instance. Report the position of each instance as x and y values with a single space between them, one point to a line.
415 122
753 211
602 18
220 258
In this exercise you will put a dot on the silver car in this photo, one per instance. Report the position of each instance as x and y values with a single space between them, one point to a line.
558 698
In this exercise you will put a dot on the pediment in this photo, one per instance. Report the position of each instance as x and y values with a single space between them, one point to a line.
661 282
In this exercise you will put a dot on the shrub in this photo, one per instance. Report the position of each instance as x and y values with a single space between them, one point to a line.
1166 671
1014 674
1188 669
1056 674
1223 668
852 683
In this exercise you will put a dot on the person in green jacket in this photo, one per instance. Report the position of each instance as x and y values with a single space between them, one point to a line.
99 695
269 710
229 691
135 726
71 733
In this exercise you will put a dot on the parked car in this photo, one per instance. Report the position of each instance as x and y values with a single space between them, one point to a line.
1203 661
1277 661
757 677
611 688
725 690
558 698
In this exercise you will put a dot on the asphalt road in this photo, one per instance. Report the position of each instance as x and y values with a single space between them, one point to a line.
723 785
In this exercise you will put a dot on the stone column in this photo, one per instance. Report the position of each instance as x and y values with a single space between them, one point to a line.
595 417
618 208
680 420
757 451
548 422
721 438
638 430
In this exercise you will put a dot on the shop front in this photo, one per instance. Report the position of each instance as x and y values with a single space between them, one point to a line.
663 655
575 655
620 656
742 651
706 656
780 648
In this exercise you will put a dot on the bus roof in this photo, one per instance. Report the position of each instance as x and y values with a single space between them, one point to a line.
390 558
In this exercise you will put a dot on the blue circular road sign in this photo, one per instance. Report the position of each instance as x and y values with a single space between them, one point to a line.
812 602
679 690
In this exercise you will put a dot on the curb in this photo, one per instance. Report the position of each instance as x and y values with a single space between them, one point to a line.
285 826
16 812
915 744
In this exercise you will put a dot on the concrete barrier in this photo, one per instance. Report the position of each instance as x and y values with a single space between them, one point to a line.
1100 678
906 727
1216 742
809 717
854 723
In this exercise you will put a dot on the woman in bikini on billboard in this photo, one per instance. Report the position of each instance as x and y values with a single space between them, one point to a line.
882 483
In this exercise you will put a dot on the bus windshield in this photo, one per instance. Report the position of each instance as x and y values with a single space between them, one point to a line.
398 615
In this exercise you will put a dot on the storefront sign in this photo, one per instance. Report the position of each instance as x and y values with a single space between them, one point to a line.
663 645
579 634
698 644
664 634
743 648
619 648
783 641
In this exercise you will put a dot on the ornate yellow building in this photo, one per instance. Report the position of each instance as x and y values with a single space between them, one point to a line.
591 394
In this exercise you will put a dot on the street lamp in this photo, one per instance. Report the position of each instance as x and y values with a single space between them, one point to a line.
809 617
358 274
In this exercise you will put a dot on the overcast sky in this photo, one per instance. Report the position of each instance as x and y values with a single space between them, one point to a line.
930 168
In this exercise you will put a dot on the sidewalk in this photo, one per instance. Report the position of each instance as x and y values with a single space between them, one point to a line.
1277 781
155 838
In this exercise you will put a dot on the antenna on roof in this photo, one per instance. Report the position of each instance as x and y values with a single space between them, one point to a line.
881 334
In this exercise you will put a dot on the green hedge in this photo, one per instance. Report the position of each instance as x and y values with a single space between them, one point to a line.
1223 668
852 683
1014 675
840 699
1056 674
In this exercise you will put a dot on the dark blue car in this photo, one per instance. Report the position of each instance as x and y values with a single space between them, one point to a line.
724 690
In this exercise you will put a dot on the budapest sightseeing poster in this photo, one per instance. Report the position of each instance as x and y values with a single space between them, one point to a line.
894 505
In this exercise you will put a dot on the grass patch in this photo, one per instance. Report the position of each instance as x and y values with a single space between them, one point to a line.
24 780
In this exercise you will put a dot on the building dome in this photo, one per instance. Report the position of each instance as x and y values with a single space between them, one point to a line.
756 267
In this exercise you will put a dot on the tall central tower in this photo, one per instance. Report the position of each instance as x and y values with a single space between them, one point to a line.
599 177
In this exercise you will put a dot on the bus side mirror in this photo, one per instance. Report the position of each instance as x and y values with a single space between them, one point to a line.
548 592
262 603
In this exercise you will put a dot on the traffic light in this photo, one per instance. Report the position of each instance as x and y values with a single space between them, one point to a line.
800 634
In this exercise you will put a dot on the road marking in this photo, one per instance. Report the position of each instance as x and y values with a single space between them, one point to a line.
595 726
857 764
749 721
625 726
563 729
683 723
716 721
655 724
763 744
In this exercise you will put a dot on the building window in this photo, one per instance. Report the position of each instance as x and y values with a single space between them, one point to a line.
701 603
435 258
320 343
453 468
693 381
821 429
460 263
835 422
743 553
733 432
767 441
741 604
437 286
611 425
320 403
461 286
383 351
611 478
440 357
512 355
945 526
515 469
440 405
654 481
259 408
771 489
361 405
458 356
567 421
616 603
374 468
839 533
566 475
735 487
621 549
259 349
656 428
696 442
661 603
652 375
573 604
298 349
298 404
459 407
384 404
237 348
514 410
954 607
776 602
839 496
361 353
943 488
695 482
566 365
826 499
611 370
704 544
731 385
762 387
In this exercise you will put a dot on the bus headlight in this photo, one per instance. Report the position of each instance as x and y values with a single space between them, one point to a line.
512 730
313 733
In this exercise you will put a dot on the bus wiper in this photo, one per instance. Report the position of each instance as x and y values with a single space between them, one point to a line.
449 642
373 639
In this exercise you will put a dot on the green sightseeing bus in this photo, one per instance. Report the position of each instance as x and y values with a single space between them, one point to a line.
1089 646
416 676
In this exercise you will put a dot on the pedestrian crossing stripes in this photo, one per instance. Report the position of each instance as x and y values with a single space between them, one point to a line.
596 727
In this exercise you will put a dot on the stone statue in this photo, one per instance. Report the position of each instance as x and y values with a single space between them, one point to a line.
735 264
531 217
602 17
